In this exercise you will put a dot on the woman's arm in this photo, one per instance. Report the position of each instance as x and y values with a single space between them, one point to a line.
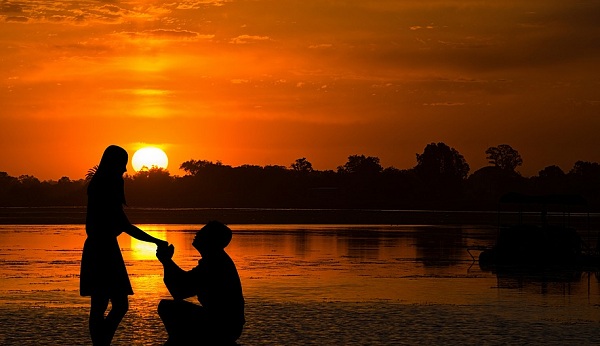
138 234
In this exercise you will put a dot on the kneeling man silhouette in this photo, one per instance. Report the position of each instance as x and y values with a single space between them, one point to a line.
219 319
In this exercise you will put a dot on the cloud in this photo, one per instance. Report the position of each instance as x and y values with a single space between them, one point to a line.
144 92
445 104
321 46
246 39
7 7
194 5
174 34
19 19
165 35
87 12
418 27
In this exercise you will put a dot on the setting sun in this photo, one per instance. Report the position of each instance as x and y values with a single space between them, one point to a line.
149 157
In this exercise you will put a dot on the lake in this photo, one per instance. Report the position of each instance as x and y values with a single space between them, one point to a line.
315 284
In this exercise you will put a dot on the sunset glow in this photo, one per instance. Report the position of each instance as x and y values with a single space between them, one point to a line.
267 82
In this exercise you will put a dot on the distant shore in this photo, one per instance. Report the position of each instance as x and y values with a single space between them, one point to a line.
76 215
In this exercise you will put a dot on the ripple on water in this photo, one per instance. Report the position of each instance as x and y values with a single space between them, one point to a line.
331 323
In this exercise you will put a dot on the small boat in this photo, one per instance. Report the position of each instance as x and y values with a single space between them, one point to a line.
529 245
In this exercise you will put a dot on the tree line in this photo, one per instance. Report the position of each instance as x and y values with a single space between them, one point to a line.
441 179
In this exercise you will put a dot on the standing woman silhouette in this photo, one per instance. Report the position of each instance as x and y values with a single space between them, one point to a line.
103 276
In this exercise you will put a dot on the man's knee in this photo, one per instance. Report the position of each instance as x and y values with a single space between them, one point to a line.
165 307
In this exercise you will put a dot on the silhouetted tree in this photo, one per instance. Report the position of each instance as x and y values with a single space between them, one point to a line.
192 167
400 188
586 170
584 179
361 164
550 180
8 187
358 181
149 187
6 180
302 165
154 173
30 190
64 180
441 171
504 157
28 180
551 172
487 184
437 181
439 161
65 192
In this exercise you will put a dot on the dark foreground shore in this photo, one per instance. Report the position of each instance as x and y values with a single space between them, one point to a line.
76 215
308 324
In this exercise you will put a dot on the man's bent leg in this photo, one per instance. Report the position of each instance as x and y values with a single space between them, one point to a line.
181 318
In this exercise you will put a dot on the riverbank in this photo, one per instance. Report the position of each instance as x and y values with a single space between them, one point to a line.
76 215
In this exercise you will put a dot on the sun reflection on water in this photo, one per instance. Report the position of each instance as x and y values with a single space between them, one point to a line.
141 250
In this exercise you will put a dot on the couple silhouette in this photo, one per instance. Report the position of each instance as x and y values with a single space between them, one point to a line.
218 320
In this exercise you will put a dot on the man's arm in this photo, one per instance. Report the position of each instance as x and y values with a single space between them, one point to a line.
177 280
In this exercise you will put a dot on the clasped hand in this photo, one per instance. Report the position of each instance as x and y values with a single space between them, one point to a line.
165 252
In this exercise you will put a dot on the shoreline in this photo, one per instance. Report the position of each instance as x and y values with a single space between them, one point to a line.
76 215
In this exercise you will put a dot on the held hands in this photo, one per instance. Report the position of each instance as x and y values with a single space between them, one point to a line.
164 252
161 243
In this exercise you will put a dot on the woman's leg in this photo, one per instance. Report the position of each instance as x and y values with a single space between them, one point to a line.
118 309
97 310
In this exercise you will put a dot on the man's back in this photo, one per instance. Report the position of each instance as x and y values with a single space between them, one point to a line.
219 288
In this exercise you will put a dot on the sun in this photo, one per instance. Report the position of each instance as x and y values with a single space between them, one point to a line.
149 157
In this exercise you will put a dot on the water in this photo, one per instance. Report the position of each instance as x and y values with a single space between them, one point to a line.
306 285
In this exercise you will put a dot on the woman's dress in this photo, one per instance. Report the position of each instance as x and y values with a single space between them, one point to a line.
103 270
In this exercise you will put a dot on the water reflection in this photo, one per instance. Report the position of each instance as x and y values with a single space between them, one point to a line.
295 263
141 250
440 246
302 243
346 284
362 248
561 282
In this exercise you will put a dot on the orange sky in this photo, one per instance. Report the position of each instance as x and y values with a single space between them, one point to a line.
269 81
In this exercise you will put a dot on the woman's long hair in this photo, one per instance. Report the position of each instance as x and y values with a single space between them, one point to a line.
109 174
